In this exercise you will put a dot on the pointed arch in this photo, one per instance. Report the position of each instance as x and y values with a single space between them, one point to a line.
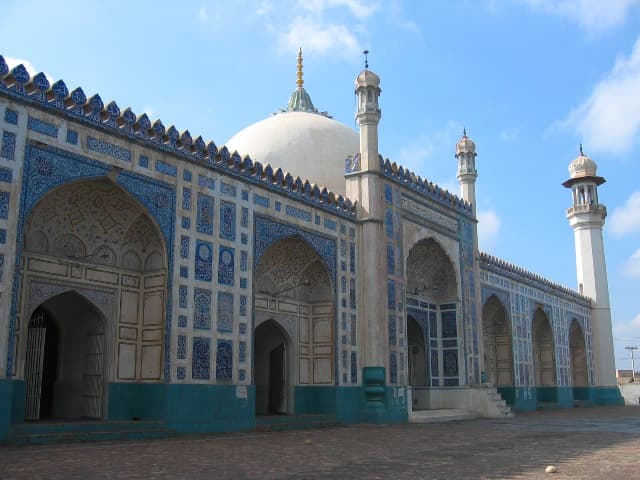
578 354
544 360
497 340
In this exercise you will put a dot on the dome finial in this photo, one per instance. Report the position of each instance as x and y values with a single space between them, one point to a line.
366 58
581 152
299 80
464 132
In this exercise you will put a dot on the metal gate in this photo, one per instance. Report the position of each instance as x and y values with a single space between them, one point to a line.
33 369
92 376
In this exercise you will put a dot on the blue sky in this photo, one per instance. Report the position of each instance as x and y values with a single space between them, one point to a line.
530 80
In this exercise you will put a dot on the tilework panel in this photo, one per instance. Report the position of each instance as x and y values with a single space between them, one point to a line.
226 265
184 271
297 213
224 360
203 261
182 296
245 195
11 116
330 224
8 145
42 127
225 312
244 260
182 321
227 220
186 223
181 373
244 218
204 222
242 328
242 375
242 351
207 182
354 368
166 168
184 246
4 204
143 161
202 309
72 137
186 175
261 201
227 189
391 260
186 199
110 149
181 350
6 175
3 236
201 359
243 305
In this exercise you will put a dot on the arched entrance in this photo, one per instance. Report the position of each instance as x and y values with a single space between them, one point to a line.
432 294
94 268
498 352
544 362
416 342
294 340
64 368
271 370
578 352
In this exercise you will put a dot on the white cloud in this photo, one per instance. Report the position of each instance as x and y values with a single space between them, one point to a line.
509 134
632 265
264 8
609 120
626 219
359 9
317 37
593 15
489 223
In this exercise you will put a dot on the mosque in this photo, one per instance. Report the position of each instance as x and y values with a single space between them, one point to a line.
152 278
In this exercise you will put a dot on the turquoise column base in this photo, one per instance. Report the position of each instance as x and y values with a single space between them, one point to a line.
607 396
12 405
380 403
315 400
135 401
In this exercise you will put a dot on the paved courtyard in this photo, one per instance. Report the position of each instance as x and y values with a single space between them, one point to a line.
584 443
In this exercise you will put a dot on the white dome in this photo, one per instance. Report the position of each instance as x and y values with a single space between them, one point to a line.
307 145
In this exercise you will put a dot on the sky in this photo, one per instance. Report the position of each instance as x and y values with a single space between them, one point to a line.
529 79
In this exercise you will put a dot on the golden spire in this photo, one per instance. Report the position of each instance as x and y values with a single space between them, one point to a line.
299 80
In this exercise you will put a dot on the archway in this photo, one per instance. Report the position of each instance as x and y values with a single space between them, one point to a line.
417 358
498 352
544 361
64 368
271 372
432 291
294 317
578 352
89 242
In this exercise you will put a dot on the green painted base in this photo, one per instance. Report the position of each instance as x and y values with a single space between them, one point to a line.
135 401
315 400
607 396
533 398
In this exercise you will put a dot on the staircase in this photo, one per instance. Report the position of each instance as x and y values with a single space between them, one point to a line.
86 431
440 415
497 407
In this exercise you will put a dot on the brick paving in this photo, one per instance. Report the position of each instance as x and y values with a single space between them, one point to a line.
583 443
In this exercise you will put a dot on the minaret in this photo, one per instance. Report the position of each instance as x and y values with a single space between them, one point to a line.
364 185
586 217
467 173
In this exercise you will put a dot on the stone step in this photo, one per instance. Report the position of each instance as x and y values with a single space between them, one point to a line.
440 415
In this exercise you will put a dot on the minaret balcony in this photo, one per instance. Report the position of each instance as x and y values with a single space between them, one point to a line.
593 208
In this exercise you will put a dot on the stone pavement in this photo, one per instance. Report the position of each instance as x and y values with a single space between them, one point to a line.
583 443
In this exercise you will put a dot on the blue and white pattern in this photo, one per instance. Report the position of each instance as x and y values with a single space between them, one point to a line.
72 137
227 189
201 359
8 145
11 116
227 220
181 349
186 199
224 360
202 309
226 266
204 223
166 168
225 312
4 204
204 261
6 175
43 127
110 149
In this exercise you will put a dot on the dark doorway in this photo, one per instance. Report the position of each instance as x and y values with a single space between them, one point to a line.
277 380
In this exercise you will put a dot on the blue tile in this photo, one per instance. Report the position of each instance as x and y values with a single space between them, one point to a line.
226 265
204 223
72 137
261 201
244 260
166 168
227 220
201 359
243 305
243 282
182 296
202 309
184 246
143 161
207 182
181 373
298 213
186 199
224 360
42 127
11 116
182 321
6 175
225 312
181 350
4 204
8 145
204 261
245 195
110 149
227 189
184 271
186 223
244 218
186 175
